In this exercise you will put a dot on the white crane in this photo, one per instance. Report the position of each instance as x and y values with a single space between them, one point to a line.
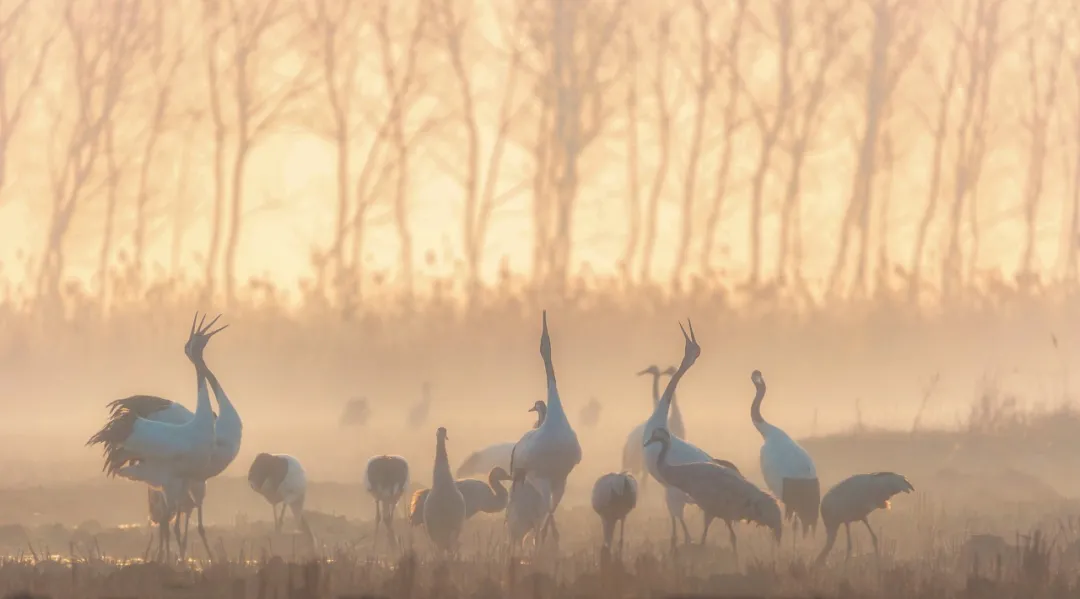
614 495
633 455
853 499
228 433
281 479
385 478
149 439
789 472
489 497
551 451
719 491
682 452
444 508
497 455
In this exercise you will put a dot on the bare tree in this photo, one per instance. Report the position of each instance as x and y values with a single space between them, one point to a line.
633 160
893 43
829 32
770 127
663 129
732 122
400 77
18 38
983 43
165 56
1042 32
568 48
1070 235
105 37
457 30
940 131
246 28
703 89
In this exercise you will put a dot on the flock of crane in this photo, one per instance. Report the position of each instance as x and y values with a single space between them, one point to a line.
174 452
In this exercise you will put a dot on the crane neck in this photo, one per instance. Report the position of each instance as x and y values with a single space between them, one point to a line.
675 420
204 413
755 407
541 414
661 459
669 391
555 411
656 388
495 482
441 474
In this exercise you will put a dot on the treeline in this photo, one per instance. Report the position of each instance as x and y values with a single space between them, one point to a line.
880 142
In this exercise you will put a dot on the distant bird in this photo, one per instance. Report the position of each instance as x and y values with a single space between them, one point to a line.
444 507
419 412
590 414
551 451
356 413
497 455
281 480
720 492
163 444
526 509
633 455
682 452
789 472
614 495
489 497
853 499
385 478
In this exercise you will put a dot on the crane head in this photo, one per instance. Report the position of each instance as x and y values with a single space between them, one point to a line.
670 371
200 336
660 435
538 407
441 434
756 378
653 370
691 350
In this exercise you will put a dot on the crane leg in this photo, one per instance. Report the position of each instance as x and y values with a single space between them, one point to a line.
389 525
622 534
847 527
179 539
674 534
165 537
734 542
378 519
873 537
685 531
705 532
202 534
187 529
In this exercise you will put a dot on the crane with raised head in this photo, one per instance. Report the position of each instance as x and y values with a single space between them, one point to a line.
551 451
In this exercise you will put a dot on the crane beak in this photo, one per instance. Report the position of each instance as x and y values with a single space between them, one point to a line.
649 442
532 409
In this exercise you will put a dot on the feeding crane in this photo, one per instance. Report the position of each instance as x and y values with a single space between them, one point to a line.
853 499
614 495
281 479
385 478
551 451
